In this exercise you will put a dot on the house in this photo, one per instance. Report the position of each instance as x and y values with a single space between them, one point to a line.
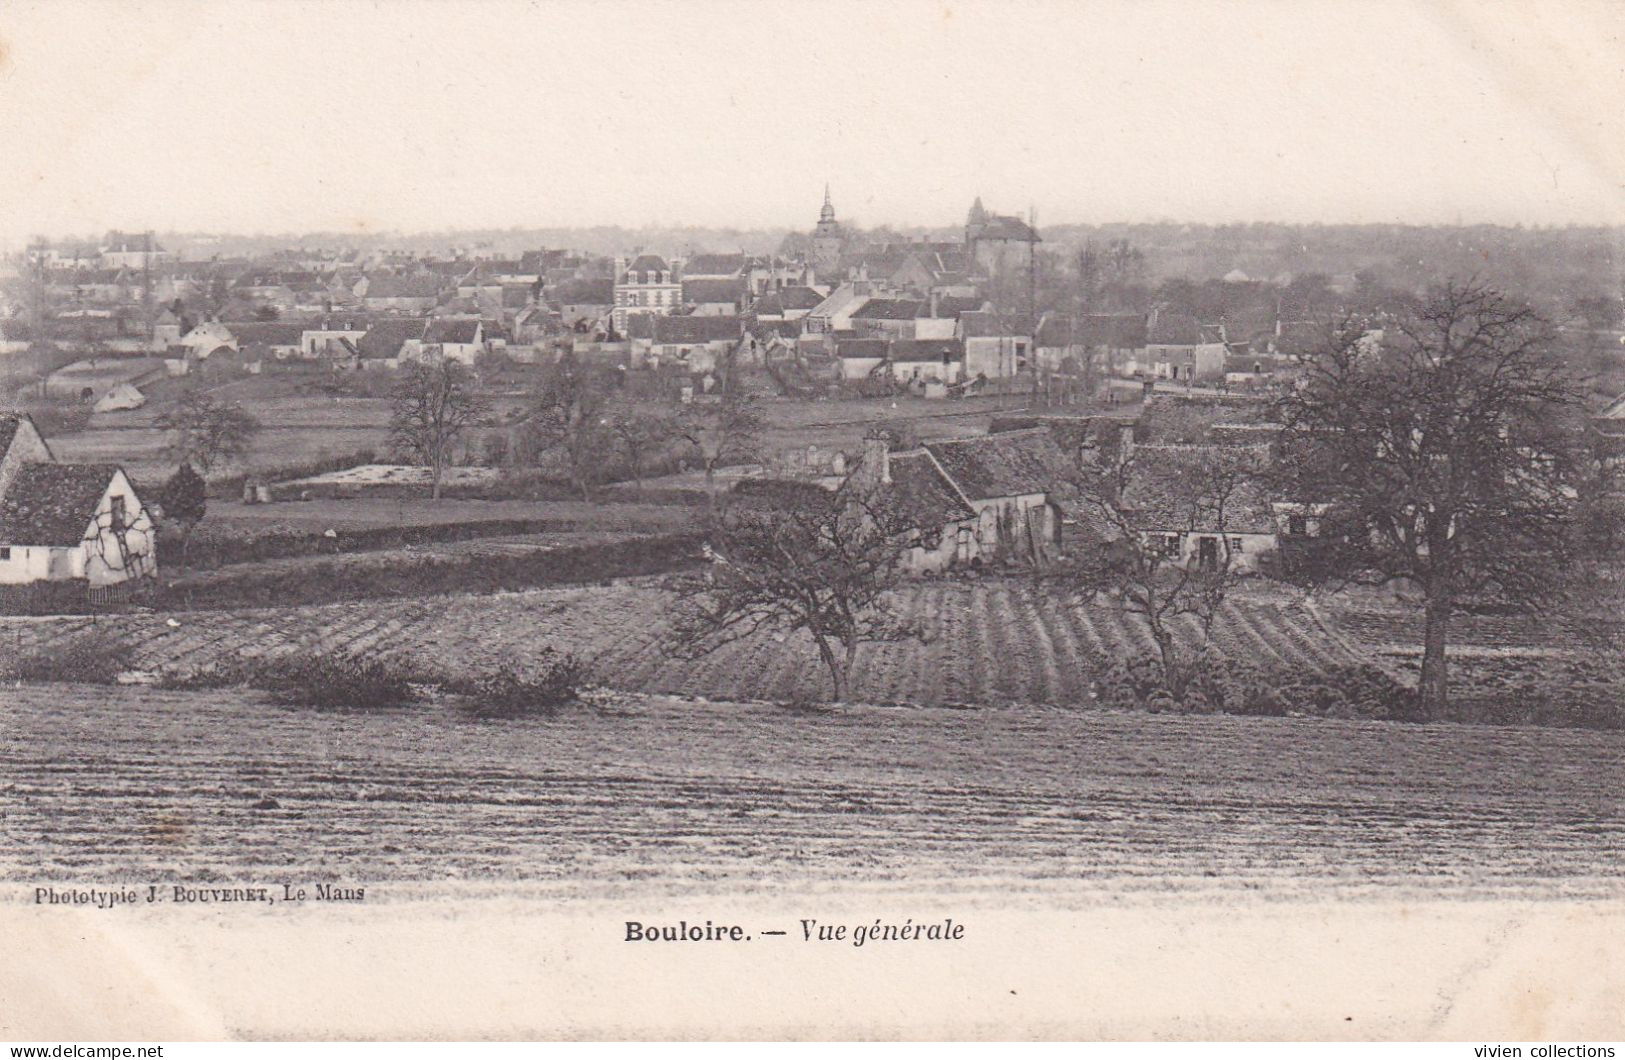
91 379
20 443
997 345
582 301
389 343
401 294
766 275
206 337
168 327
1169 500
716 267
939 315
332 339
697 342
1180 349
858 358
269 342
716 297
132 250
483 284
797 301
1106 340
981 498
647 284
927 360
121 398
889 317
834 312
997 242
67 522
454 340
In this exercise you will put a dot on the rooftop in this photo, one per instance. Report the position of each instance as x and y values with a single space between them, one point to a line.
52 504
1002 465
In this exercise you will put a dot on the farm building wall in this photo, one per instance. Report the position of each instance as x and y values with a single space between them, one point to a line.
925 371
1246 550
1032 520
956 546
20 564
858 367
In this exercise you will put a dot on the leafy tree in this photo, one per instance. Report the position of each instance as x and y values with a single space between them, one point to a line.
1444 453
185 502
207 433
568 418
798 557
435 407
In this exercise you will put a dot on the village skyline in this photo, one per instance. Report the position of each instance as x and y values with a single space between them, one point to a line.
1024 518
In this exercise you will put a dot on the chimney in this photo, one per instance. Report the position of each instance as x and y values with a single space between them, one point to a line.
1125 441
936 302
877 461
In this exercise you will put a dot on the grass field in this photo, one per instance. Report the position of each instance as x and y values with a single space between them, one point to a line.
140 449
647 796
361 512
304 420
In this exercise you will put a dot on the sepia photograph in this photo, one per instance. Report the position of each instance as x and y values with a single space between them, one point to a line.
948 520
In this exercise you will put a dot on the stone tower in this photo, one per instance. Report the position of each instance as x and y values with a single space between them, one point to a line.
827 237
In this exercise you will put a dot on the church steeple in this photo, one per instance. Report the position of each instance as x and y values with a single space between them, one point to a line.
827 237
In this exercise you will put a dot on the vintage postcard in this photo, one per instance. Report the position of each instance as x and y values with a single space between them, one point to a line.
827 520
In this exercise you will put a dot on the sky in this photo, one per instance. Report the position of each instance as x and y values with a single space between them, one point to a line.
291 116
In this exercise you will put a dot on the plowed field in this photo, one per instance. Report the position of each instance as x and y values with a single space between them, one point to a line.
987 642
646 795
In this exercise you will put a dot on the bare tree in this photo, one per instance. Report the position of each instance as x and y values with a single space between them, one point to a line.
435 407
720 433
1150 519
1105 275
1443 450
802 558
569 418
639 434
207 433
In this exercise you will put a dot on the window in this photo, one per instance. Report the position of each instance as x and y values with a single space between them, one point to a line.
118 523
1235 544
1170 544
5 553
1297 525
